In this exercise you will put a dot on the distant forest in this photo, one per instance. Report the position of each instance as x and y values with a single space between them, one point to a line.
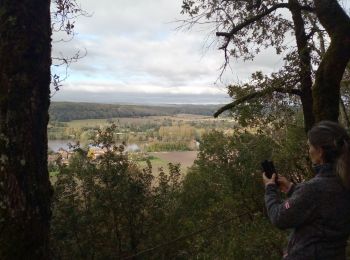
67 111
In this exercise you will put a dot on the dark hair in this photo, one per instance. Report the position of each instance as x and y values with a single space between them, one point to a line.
335 141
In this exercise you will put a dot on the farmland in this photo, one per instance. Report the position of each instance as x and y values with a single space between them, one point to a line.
186 159
161 139
161 160
150 134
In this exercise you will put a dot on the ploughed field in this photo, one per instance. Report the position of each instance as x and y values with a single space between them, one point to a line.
162 159
186 158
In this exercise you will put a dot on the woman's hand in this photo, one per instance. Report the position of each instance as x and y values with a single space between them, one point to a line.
268 181
284 184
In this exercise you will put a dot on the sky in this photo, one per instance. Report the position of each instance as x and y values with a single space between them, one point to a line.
136 54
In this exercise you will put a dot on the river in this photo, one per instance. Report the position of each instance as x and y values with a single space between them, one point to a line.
55 145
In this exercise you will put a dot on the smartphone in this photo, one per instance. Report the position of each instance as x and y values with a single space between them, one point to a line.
269 168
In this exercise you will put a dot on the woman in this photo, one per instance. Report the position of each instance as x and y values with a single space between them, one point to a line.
317 210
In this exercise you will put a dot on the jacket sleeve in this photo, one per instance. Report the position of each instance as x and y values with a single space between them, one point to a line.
291 190
294 211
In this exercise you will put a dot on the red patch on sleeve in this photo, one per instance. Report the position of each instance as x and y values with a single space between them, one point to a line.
286 205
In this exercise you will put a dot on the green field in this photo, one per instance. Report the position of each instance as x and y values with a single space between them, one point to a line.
156 164
87 123
138 120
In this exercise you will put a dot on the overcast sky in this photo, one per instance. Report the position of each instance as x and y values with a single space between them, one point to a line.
136 55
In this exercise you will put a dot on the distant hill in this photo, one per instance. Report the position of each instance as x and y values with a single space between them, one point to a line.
67 111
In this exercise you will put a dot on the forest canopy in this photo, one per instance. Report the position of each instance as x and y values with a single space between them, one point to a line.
67 111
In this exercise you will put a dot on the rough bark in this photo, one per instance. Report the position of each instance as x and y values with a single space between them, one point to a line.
25 189
343 114
304 63
326 90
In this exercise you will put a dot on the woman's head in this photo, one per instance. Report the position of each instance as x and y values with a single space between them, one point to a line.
330 143
316 154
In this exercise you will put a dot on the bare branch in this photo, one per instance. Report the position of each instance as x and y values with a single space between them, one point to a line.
255 95
63 21
56 80
239 27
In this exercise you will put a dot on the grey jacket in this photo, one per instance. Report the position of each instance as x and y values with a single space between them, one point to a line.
318 211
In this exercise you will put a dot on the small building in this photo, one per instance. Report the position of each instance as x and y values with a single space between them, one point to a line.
64 153
95 152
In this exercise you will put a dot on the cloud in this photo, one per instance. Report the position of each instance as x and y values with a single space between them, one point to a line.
129 17
141 98
132 48
118 87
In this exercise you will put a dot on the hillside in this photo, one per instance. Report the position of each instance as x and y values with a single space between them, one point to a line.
67 111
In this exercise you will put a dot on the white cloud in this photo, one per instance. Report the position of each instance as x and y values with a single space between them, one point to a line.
132 48
118 87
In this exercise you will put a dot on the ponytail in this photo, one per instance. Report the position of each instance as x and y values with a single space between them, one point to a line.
342 166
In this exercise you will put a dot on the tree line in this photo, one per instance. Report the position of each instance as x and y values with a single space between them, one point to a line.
68 111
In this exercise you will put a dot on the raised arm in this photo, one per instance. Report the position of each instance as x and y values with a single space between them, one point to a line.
295 210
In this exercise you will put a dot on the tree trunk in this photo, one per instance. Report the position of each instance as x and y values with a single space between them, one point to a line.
25 190
304 63
326 90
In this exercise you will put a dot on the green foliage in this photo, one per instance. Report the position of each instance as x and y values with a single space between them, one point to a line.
259 102
225 182
108 208
292 155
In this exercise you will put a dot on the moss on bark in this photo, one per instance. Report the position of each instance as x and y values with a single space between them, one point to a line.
25 190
